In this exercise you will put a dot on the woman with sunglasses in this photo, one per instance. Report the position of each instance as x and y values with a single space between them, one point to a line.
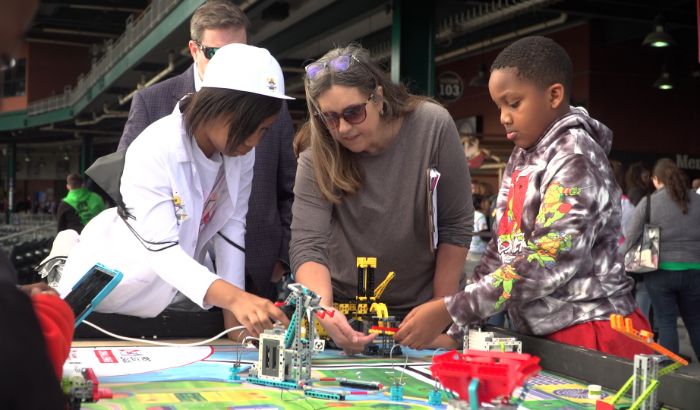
362 190
185 190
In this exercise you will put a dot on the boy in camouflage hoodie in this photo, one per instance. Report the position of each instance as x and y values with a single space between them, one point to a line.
553 263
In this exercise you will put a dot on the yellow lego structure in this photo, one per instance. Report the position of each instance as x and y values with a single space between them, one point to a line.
366 301
366 312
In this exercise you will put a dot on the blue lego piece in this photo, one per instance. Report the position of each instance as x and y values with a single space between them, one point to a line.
473 397
291 329
324 395
396 392
272 383
434 398
234 374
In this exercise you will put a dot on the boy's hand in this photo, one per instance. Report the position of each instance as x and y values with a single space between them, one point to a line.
255 313
423 324
351 341
445 342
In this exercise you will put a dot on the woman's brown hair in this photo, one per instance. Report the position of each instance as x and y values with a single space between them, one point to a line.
675 181
336 170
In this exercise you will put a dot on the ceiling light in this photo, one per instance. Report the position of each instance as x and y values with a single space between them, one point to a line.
6 62
665 82
481 79
659 37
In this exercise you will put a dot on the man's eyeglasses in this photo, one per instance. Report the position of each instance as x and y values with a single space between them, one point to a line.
353 114
338 64
207 51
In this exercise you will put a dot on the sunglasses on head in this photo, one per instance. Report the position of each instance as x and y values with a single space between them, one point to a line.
353 114
207 51
337 64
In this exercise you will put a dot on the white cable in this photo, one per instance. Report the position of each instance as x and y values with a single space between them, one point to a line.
436 351
153 342
249 338
437 383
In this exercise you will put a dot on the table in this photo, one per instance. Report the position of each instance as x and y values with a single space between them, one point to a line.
150 378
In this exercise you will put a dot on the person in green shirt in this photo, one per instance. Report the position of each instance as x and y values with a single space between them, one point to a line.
79 206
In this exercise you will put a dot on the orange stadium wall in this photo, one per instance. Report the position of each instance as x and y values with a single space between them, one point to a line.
13 103
51 67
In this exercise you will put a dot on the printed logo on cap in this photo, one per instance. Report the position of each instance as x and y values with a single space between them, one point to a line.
271 84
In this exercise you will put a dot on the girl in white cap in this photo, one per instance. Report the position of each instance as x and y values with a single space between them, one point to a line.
185 191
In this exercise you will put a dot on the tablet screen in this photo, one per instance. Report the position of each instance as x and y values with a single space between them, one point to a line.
86 291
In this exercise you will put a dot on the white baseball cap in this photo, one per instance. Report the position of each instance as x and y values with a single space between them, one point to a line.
245 68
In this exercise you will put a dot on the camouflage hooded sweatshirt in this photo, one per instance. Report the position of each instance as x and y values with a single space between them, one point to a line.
553 262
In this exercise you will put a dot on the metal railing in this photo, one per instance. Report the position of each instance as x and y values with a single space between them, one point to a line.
136 30
26 228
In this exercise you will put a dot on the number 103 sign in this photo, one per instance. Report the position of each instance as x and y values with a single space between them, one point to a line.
449 86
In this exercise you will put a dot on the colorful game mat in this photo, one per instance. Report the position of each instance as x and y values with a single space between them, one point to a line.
163 378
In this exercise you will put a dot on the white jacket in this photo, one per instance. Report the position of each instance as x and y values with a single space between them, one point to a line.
159 170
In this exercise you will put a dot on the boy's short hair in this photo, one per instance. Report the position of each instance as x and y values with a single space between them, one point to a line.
217 14
74 181
539 60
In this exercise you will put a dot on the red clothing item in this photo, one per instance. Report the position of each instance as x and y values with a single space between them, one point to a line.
57 324
598 335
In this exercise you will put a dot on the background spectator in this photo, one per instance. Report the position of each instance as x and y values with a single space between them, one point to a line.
637 182
675 287
79 206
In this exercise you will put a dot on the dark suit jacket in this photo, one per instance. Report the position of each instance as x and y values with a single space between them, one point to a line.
270 206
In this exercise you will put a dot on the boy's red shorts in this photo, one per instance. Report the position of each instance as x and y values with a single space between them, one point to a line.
598 335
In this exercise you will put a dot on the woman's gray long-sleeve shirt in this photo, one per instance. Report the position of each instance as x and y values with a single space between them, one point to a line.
388 217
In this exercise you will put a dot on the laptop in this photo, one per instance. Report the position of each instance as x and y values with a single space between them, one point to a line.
91 289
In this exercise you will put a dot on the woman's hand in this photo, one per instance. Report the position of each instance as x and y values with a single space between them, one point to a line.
351 341
256 313
423 324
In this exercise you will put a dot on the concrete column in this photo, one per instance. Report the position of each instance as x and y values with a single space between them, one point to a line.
413 45
11 173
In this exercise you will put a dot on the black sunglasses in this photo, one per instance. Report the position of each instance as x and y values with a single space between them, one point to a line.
207 51
353 114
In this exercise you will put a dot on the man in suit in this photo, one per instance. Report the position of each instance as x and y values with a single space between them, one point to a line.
213 25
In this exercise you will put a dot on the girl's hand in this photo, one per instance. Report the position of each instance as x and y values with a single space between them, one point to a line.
256 313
